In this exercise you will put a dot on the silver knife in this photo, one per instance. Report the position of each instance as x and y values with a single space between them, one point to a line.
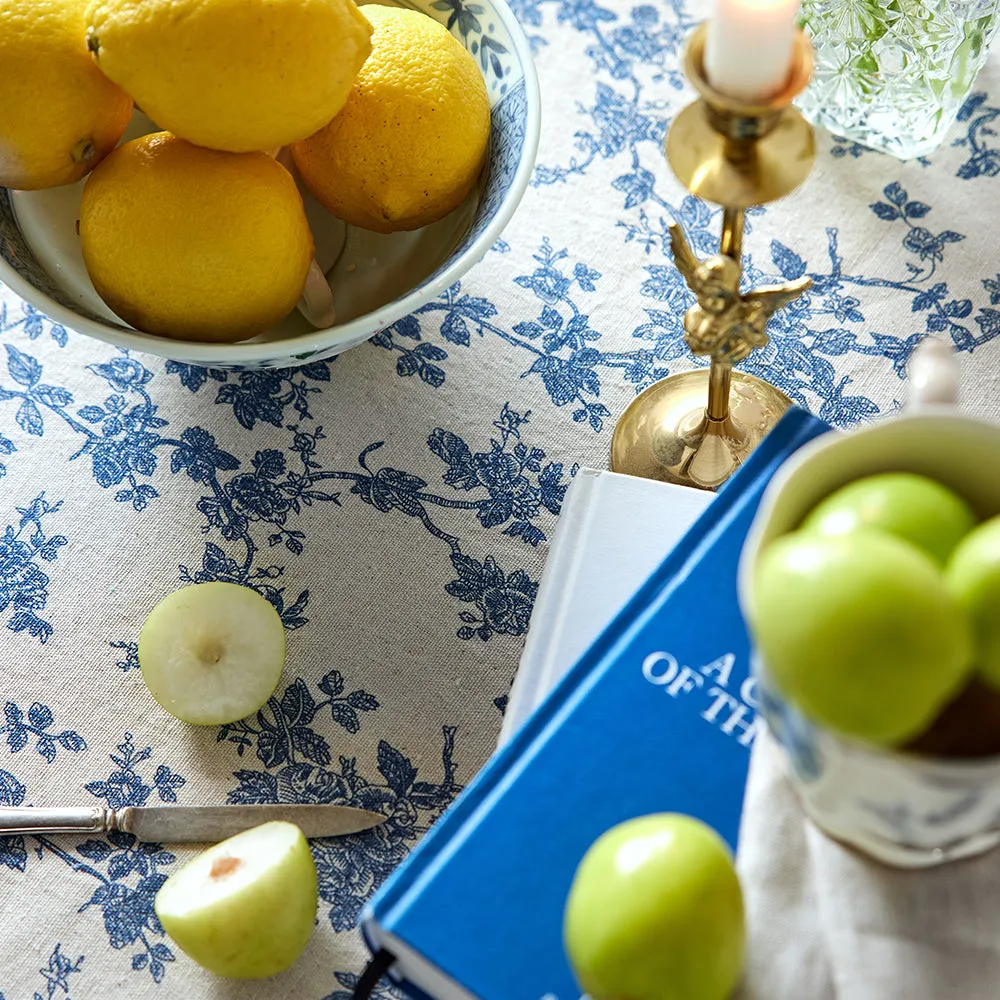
186 824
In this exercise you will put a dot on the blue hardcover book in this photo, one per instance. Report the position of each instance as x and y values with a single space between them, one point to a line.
658 715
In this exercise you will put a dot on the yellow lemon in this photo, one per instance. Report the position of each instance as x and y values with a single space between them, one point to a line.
194 243
60 115
411 140
238 75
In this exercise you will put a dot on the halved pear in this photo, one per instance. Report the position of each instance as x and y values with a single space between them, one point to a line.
246 908
212 653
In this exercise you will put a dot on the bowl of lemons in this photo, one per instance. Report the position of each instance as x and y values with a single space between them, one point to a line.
255 183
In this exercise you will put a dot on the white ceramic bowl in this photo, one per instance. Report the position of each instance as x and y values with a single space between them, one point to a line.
376 279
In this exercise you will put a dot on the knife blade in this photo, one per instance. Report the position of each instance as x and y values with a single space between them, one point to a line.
187 824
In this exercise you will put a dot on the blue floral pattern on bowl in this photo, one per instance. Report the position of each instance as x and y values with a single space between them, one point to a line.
792 730
492 47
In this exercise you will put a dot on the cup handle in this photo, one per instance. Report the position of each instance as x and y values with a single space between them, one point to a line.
932 375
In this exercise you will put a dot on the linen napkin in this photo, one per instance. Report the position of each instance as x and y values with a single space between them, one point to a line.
826 923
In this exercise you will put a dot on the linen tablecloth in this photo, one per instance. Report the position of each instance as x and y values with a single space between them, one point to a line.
828 923
396 503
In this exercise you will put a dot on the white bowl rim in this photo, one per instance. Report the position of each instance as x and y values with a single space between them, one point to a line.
355 331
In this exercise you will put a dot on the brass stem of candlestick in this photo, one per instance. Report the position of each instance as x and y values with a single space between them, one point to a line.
720 372
735 154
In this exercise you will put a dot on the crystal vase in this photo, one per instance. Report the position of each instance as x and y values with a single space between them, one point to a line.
893 75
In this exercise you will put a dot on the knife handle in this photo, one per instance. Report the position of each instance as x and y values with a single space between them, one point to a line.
92 819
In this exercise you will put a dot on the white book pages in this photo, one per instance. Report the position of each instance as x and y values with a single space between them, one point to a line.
613 532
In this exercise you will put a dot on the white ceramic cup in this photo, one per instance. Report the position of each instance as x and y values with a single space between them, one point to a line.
902 809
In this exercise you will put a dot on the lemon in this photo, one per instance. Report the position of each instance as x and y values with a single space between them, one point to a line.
238 75
60 114
411 140
194 243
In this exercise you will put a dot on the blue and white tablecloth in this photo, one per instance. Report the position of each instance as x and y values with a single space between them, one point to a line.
396 503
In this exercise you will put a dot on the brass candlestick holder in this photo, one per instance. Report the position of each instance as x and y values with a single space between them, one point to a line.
737 155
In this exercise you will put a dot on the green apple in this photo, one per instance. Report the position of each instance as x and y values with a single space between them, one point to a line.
244 908
914 508
973 576
212 653
860 632
655 912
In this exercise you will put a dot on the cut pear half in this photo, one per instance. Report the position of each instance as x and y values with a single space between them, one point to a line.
245 908
212 653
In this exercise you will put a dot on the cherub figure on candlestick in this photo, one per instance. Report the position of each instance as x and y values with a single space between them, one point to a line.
726 324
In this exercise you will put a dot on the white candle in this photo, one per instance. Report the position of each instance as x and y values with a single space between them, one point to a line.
748 51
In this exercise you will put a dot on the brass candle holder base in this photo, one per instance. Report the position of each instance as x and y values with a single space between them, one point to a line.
667 434
696 428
